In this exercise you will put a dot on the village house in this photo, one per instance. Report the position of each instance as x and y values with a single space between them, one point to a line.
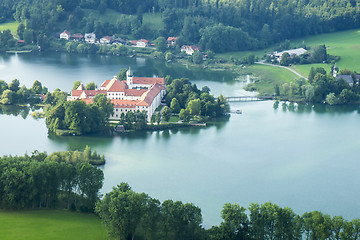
90 37
140 43
133 94
171 41
106 40
189 50
65 35
77 37
119 41
291 52
348 78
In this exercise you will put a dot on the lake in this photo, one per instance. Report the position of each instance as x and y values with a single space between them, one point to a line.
301 156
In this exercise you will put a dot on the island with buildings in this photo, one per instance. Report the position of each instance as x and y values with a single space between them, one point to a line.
133 94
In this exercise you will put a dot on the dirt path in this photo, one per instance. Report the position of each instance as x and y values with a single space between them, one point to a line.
292 70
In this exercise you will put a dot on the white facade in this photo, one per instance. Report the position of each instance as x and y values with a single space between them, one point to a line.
65 35
90 37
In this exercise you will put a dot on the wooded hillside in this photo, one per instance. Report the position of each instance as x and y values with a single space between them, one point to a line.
217 25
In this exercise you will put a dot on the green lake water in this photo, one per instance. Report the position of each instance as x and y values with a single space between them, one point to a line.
302 156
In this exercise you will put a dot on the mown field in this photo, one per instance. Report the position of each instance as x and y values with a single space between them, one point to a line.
50 224
9 25
345 44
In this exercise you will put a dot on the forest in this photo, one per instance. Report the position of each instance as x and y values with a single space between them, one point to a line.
67 181
50 181
216 25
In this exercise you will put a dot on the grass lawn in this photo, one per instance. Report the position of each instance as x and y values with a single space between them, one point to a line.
271 76
9 25
345 44
174 119
50 224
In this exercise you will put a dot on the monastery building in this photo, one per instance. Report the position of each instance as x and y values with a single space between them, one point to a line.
133 94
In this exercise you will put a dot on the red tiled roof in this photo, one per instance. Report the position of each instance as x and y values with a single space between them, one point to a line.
133 42
107 38
124 103
76 92
135 92
115 85
88 93
87 100
143 40
106 82
149 97
77 36
66 32
148 80
171 39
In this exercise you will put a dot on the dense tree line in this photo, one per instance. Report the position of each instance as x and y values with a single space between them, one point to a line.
321 87
77 117
75 157
41 181
217 25
188 101
131 215
12 93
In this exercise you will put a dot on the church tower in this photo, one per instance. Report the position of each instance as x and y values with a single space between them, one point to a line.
335 71
129 78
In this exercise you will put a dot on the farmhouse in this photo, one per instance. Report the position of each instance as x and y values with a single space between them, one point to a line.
90 37
189 50
140 43
133 94
171 41
65 35
76 37
291 52
348 78
106 40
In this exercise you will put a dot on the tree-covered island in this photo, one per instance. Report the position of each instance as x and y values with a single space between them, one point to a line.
134 103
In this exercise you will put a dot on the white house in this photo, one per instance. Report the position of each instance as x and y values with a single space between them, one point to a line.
189 50
142 43
65 35
106 40
90 37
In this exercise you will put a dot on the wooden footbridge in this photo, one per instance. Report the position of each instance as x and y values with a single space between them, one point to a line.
249 98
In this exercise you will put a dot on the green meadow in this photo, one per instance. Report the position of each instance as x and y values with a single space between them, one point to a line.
9 25
270 76
345 44
50 224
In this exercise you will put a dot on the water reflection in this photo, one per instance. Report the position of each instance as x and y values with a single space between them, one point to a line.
317 108
14 110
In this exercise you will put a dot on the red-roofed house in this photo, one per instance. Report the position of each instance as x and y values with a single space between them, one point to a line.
142 43
189 50
106 40
65 35
76 37
171 41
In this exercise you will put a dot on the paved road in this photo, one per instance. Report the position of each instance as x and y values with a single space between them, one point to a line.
292 70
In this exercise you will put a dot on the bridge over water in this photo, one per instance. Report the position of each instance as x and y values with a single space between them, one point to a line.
248 98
